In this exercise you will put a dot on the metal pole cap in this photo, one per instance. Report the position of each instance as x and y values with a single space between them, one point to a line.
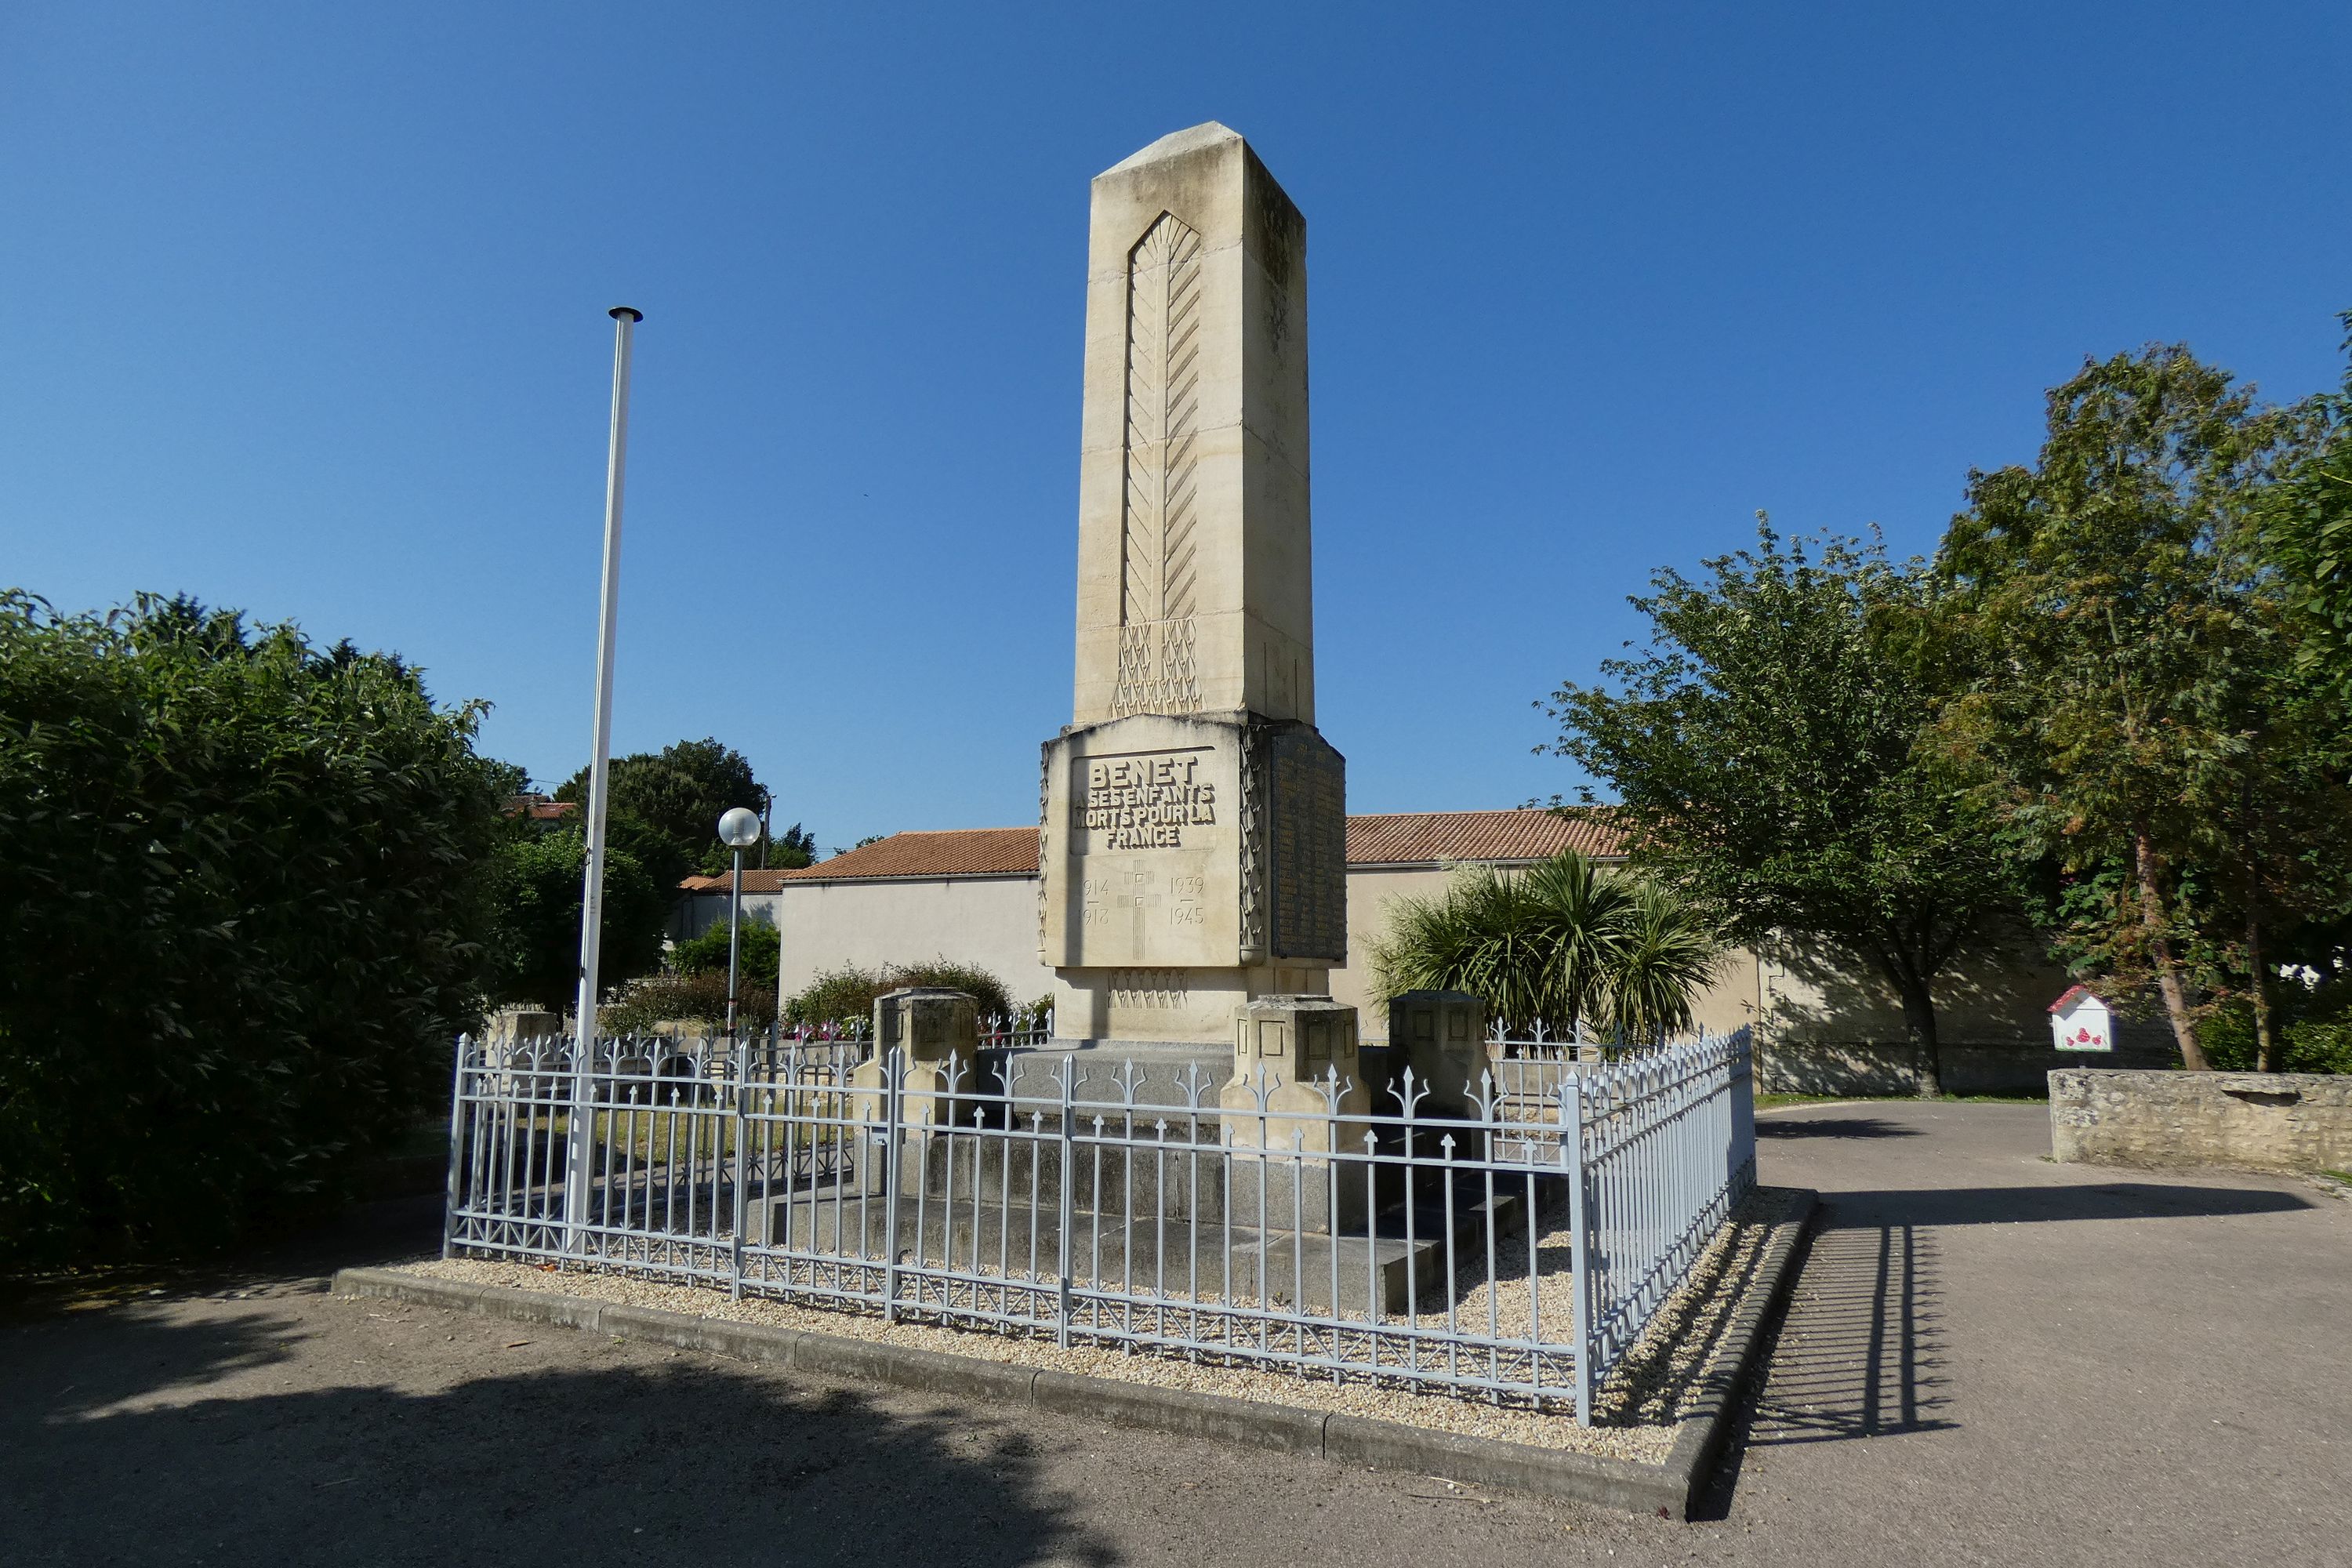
618 311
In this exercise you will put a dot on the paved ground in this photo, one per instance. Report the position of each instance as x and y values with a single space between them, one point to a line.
1991 1359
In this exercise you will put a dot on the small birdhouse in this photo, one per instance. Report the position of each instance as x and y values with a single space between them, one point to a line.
2080 1021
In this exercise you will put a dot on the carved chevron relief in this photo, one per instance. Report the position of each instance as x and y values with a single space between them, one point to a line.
1156 670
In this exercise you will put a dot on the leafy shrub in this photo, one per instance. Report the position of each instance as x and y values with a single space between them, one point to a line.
846 996
240 921
2314 1031
698 1000
707 955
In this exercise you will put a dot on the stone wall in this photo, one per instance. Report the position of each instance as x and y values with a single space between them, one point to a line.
2288 1121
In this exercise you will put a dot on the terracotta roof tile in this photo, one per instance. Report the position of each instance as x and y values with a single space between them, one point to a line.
540 808
956 852
1399 838
754 881
1418 837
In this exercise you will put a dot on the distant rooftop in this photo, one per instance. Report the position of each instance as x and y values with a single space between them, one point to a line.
540 808
1396 838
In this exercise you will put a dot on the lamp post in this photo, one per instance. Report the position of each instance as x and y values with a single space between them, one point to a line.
739 830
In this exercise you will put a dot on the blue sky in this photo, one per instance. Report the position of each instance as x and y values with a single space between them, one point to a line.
302 310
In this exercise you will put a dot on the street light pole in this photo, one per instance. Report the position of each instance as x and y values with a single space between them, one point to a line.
739 830
578 1139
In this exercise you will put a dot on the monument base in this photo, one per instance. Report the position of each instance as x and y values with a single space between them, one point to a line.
1163 1073
1195 1006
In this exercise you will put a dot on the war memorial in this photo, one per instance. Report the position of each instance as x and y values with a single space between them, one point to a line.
1203 1160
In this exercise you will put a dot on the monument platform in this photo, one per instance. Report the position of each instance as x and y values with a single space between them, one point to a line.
973 1226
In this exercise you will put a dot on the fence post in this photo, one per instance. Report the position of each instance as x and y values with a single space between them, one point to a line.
742 1080
891 1079
579 1141
1571 1138
457 1128
1067 1208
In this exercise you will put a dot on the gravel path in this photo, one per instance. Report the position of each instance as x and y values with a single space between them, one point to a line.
1635 1413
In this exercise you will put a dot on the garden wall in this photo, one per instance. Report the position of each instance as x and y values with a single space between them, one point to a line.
2288 1121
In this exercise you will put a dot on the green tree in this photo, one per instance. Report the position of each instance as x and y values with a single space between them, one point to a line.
790 850
240 921
2137 714
2305 521
676 797
1561 944
1767 752
538 872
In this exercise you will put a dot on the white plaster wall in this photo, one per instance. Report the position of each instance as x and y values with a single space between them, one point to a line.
1371 889
697 912
991 921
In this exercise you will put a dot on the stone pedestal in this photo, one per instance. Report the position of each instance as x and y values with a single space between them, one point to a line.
522 1026
1189 864
1296 1067
1441 1037
935 1036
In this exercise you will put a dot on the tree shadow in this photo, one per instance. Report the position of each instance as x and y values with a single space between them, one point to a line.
2026 1205
563 1465
1833 1127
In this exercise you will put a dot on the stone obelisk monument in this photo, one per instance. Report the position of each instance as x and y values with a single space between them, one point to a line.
1194 846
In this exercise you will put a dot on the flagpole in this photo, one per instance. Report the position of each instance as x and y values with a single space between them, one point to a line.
579 1140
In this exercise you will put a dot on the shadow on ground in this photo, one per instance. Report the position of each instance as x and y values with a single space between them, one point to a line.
1833 1127
1857 1353
108 1454
2024 1205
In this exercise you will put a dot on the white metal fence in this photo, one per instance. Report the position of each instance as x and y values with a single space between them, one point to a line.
1514 1253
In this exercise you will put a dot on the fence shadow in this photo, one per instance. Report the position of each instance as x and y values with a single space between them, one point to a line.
1857 1354
567 1466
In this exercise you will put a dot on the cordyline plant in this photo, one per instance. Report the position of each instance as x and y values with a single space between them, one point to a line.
1565 944
240 921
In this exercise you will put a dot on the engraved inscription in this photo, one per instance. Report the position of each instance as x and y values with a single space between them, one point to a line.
1309 849
1145 803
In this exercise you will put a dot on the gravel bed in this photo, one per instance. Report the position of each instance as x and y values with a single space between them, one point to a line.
1635 1412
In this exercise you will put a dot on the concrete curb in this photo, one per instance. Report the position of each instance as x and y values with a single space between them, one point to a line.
1670 1488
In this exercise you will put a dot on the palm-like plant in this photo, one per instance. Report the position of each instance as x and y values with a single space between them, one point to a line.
1563 944
1667 954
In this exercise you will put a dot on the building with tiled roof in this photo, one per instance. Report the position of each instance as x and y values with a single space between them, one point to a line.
1395 839
971 894
541 808
956 852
